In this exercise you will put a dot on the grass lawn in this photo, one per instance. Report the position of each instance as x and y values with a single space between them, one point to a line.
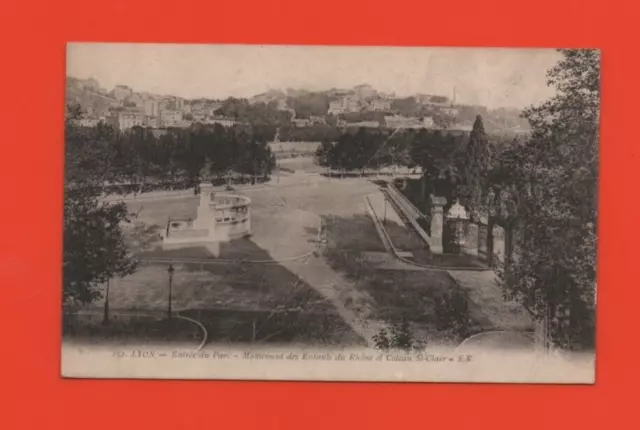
301 164
348 238
137 329
157 212
235 302
422 298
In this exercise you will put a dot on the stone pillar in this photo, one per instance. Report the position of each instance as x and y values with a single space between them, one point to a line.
471 244
437 223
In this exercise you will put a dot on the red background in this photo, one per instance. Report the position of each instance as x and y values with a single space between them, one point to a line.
31 162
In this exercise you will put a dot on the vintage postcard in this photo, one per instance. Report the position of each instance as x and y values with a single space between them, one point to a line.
330 213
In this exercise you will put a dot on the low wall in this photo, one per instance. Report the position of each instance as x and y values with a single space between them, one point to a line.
229 230
187 235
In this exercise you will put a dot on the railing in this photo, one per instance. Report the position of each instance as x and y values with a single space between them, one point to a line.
410 212
388 244
187 234
406 202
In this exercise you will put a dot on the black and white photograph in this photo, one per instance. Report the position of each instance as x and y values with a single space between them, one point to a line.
330 213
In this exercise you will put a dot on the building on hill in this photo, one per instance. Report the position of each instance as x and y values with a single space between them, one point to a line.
301 122
169 118
179 103
343 105
152 122
336 107
380 105
175 103
432 100
428 122
136 100
126 119
451 111
151 108
398 121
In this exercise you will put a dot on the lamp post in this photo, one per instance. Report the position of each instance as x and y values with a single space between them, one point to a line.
105 318
170 272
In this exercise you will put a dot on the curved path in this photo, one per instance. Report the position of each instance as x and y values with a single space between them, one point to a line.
199 324
498 339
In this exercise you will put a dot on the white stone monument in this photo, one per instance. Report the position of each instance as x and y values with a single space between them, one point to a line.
220 217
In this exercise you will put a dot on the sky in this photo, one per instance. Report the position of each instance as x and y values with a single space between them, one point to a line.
494 77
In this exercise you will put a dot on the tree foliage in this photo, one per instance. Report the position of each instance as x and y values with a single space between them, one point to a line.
260 113
547 187
398 337
94 246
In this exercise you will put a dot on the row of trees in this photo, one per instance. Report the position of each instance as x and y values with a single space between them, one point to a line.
356 150
442 155
255 113
312 133
140 156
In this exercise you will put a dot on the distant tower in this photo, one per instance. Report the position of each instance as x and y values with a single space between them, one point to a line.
454 95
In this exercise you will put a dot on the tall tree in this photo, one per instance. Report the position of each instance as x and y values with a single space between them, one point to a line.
477 154
551 192
476 166
94 247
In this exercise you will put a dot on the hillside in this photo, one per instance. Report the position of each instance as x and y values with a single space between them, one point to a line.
279 107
